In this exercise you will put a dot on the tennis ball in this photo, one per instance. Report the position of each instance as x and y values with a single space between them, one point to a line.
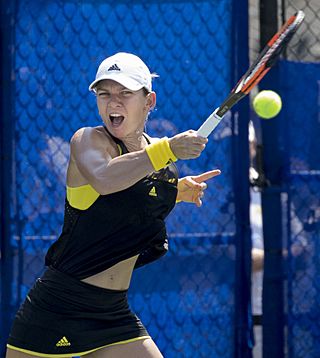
267 104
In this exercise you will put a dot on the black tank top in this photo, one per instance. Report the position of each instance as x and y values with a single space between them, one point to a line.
117 226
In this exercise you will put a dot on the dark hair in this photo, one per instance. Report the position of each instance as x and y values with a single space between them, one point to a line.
145 91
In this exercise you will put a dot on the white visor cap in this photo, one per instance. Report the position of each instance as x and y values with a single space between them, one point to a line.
125 68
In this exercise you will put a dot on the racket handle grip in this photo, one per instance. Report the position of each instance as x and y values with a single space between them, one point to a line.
209 124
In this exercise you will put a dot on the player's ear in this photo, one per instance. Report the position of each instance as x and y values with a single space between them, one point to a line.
151 100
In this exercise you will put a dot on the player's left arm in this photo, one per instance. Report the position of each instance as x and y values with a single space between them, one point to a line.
191 188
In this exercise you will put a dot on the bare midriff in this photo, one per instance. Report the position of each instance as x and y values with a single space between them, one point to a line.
117 277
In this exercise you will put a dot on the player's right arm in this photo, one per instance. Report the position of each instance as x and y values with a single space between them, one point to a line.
95 159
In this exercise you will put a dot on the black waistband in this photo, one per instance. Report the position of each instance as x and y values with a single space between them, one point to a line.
70 292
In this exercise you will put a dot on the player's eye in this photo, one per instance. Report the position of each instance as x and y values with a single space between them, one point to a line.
103 94
126 93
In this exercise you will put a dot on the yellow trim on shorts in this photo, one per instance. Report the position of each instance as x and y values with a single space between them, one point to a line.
82 197
36 354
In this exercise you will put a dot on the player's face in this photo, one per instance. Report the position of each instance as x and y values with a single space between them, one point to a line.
123 111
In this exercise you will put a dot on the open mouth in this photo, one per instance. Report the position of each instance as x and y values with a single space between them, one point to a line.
116 119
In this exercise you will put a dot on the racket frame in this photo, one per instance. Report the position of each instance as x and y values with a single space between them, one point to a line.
261 66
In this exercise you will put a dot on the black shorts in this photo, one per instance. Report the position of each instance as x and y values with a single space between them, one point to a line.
67 317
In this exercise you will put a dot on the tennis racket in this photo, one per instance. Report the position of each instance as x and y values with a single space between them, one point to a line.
267 58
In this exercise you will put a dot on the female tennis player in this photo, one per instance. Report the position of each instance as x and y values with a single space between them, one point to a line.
121 185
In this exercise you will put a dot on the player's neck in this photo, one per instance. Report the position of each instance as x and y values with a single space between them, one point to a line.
135 142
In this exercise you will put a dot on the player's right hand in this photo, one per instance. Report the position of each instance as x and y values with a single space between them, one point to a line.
187 145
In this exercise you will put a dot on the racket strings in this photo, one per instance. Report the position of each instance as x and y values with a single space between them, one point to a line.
268 58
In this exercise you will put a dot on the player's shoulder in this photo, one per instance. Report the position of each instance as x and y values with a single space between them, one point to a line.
87 133
89 137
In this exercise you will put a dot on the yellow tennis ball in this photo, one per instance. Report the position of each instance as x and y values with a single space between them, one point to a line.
267 104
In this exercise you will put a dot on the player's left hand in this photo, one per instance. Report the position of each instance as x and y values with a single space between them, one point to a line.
191 188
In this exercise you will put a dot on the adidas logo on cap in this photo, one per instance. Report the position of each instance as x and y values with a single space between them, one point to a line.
114 68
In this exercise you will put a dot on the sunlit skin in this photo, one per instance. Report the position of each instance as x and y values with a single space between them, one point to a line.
191 188
113 99
134 106
95 160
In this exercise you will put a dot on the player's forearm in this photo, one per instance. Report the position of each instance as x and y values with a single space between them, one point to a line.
121 172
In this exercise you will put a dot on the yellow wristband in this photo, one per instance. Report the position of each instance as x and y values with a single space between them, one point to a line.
160 153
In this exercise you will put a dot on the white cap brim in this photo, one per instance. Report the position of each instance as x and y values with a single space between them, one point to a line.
121 78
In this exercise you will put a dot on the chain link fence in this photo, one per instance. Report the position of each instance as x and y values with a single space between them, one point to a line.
302 76
306 47
187 299
299 125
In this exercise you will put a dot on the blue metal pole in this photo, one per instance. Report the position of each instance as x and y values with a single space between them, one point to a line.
273 320
243 317
6 151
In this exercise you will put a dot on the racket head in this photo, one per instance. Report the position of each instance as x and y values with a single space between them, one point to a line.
270 54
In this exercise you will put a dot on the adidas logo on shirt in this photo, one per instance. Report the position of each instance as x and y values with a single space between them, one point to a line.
63 342
114 68
153 192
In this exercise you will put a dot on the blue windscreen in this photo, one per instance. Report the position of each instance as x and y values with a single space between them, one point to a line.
186 299
300 90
